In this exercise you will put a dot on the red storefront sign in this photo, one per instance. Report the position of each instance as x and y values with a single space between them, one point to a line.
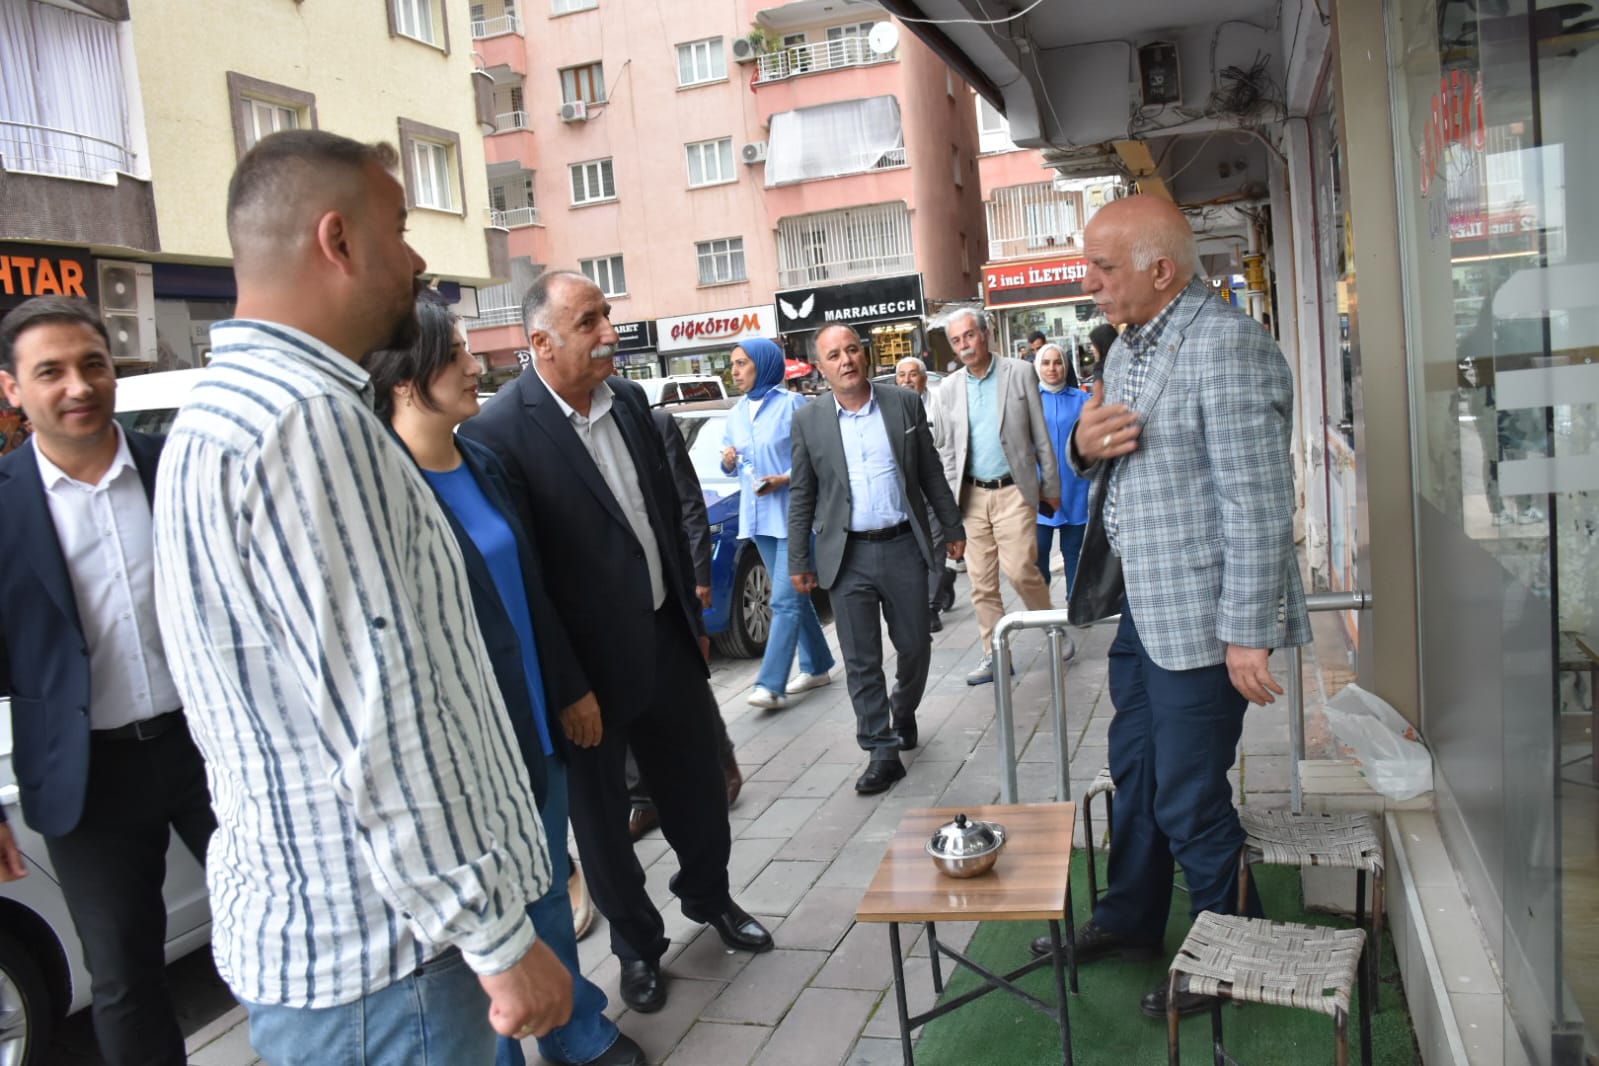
1034 281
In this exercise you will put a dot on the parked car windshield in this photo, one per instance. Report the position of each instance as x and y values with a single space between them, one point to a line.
702 430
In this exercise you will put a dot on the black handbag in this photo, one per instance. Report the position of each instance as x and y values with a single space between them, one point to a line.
1097 590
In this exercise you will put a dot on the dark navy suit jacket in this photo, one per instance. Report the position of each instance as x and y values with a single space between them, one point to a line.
44 659
600 583
564 683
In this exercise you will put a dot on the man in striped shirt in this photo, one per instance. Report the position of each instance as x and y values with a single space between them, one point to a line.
378 841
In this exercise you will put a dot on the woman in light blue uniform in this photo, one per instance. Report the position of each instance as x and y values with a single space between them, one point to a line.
1063 402
756 444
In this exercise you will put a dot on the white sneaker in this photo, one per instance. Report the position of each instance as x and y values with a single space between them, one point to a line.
766 699
806 682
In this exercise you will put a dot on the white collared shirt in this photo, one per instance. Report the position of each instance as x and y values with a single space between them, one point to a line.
602 439
875 500
104 531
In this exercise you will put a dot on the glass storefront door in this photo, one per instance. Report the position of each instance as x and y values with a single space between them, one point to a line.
1500 241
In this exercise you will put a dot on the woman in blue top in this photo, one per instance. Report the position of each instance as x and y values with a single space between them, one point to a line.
756 443
1063 402
424 392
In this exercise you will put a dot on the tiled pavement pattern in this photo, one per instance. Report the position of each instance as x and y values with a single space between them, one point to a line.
805 846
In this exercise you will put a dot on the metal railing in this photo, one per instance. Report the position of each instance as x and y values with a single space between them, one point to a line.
814 58
510 120
495 316
1056 621
894 157
32 149
856 242
513 217
508 23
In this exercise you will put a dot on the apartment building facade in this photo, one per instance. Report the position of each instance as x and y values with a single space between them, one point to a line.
121 122
727 170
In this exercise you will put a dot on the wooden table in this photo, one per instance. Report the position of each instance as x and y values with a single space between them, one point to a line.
1030 882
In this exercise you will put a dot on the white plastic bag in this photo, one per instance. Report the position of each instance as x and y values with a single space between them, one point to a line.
1390 753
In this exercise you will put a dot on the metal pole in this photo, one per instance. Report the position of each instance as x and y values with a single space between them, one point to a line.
1296 725
1057 710
1004 716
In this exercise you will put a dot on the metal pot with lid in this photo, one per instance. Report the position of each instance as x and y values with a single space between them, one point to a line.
966 847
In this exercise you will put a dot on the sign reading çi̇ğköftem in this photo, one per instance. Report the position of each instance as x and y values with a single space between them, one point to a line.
714 329
854 303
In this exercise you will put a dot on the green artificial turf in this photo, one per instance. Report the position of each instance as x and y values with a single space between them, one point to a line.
1109 1030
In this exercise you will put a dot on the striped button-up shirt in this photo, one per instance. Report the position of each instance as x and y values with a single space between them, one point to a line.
373 810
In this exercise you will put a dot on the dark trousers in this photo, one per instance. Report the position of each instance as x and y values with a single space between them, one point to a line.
1172 740
674 743
639 793
1071 546
111 867
883 580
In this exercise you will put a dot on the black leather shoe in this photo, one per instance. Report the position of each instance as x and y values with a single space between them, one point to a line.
908 737
1154 1003
641 821
1095 942
935 624
737 929
734 778
643 987
879 775
622 1052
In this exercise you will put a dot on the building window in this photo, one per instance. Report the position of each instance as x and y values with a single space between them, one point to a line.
710 163
1026 218
420 20
830 140
566 7
585 83
721 261
262 107
955 164
511 200
592 182
856 242
846 45
606 273
993 132
701 61
430 163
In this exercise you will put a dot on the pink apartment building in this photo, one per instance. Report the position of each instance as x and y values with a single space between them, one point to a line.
720 183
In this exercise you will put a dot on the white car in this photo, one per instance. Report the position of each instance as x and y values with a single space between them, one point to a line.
682 387
42 975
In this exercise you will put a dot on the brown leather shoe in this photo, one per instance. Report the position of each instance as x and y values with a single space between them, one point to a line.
735 780
642 820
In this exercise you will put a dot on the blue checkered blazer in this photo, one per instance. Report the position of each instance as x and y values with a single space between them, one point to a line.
1206 503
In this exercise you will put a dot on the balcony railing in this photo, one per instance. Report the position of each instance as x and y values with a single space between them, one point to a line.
496 316
814 58
510 120
1033 219
31 149
894 157
514 216
494 27
838 245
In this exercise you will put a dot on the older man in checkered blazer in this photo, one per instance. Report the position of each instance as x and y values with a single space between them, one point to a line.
1195 411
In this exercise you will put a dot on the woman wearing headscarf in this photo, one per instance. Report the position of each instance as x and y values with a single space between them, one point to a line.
423 392
757 444
1063 402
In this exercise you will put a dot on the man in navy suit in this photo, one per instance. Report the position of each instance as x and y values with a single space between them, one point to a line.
102 755
591 476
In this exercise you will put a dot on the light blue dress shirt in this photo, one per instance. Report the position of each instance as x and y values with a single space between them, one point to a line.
763 436
985 456
875 501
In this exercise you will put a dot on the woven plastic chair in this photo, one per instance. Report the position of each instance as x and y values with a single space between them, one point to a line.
1102 786
1339 841
1282 964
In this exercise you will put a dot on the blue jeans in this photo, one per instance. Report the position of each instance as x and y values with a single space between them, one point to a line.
438 1016
1172 740
794 623
590 1033
1071 546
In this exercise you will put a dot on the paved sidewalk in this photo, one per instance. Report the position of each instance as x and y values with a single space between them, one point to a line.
805 846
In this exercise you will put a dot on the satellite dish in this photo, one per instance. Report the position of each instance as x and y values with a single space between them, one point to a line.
883 38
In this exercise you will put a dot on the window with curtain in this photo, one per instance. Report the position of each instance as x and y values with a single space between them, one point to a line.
710 162
606 273
701 61
415 19
721 260
564 7
266 117
586 83
848 137
432 173
61 70
592 181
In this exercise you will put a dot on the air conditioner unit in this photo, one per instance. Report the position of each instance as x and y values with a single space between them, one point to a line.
752 153
575 111
127 305
743 50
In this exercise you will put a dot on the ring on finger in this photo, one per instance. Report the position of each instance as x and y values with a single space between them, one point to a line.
1104 442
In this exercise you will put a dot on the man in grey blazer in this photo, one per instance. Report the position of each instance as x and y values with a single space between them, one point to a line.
989 424
863 477
1195 411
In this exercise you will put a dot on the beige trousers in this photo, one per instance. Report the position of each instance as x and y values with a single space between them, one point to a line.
1001 533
